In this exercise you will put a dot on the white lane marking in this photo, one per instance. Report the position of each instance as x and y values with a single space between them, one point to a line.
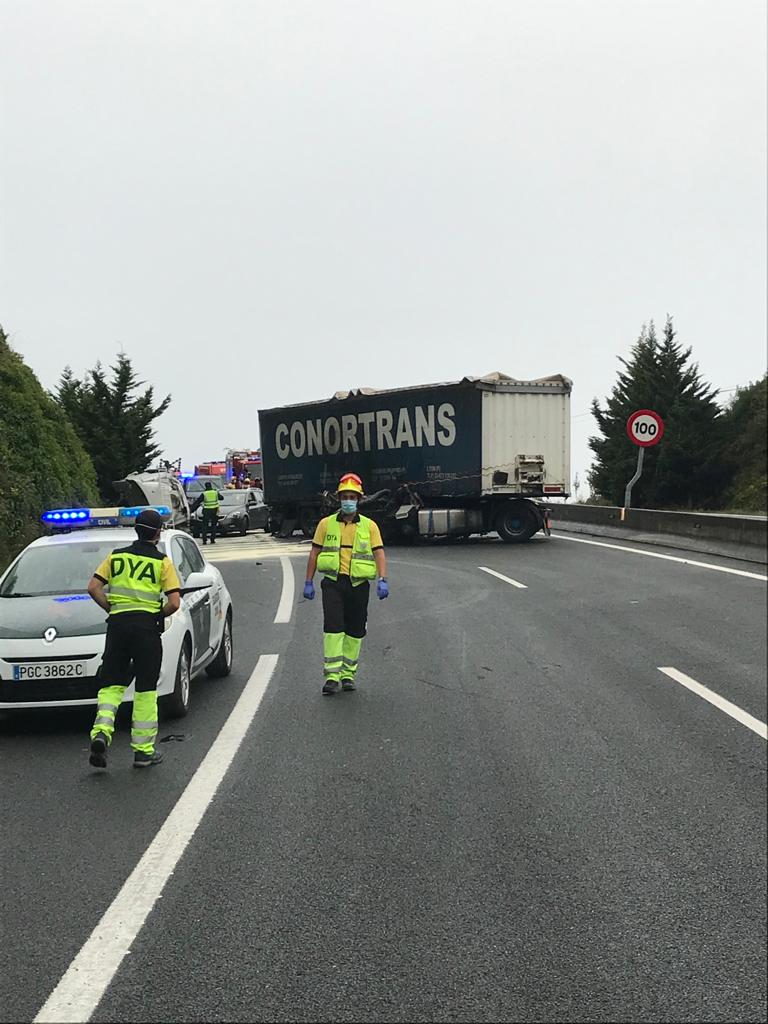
668 558
719 702
285 608
86 980
499 576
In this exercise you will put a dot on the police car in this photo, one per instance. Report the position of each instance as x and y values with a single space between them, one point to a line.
52 634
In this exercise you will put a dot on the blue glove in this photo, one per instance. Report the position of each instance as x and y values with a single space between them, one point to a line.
309 590
382 589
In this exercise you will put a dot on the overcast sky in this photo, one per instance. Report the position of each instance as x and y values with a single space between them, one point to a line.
264 203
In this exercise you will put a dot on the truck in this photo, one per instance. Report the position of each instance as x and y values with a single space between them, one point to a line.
474 456
243 463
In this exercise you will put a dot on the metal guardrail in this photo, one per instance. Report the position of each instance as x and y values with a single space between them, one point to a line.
739 536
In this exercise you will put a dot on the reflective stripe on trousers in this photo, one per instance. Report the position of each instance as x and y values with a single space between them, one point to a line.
109 701
333 649
342 654
351 656
144 724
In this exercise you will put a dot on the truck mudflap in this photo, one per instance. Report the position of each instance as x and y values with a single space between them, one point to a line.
546 515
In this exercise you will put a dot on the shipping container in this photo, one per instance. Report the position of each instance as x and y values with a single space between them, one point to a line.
482 449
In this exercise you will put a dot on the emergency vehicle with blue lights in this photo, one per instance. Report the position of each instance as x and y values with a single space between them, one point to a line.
52 634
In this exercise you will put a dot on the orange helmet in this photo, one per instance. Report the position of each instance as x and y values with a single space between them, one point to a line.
350 482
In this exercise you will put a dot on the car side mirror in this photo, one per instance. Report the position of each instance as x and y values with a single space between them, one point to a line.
197 581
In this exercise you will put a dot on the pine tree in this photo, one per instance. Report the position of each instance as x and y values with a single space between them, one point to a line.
616 457
689 470
685 469
114 423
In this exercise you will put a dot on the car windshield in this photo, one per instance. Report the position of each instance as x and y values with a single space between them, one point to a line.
234 497
56 569
195 487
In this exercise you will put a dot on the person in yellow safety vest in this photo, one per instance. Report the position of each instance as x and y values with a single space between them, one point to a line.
138 577
209 499
348 550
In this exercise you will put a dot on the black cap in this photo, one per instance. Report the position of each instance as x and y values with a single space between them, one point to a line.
150 520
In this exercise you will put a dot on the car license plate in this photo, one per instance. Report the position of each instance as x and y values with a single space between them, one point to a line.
50 670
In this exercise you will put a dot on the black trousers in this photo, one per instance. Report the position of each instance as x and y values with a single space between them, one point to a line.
210 521
133 647
345 608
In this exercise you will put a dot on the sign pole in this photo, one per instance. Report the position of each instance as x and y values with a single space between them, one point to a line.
635 478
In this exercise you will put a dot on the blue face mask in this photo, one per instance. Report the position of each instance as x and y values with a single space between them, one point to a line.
349 506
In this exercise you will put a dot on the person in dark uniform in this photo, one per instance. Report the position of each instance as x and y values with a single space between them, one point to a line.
210 500
139 578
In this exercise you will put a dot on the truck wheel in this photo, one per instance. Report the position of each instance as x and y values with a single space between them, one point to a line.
308 522
516 523
176 704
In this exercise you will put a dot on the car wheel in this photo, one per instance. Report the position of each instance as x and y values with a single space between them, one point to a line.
176 704
222 663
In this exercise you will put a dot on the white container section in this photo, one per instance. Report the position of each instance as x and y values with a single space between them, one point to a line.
526 436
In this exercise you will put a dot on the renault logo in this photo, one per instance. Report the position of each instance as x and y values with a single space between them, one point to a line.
50 634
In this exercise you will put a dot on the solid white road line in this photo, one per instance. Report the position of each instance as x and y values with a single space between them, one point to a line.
285 608
668 558
80 990
719 702
498 575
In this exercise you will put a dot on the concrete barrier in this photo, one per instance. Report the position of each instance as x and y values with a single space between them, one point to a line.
744 537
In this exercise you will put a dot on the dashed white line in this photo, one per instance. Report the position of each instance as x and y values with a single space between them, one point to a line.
719 702
668 558
285 608
500 576
86 980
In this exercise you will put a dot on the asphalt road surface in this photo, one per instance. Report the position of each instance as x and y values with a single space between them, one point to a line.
517 817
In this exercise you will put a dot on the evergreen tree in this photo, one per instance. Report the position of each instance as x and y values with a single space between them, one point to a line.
615 456
114 423
684 469
42 462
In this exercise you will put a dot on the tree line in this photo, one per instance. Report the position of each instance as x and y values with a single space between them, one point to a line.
67 447
710 457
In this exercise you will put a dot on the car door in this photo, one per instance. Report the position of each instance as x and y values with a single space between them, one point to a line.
187 559
210 618
257 511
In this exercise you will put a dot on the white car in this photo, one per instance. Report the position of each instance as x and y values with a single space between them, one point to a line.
52 634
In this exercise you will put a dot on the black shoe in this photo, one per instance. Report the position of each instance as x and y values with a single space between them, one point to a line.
348 684
143 760
330 686
99 745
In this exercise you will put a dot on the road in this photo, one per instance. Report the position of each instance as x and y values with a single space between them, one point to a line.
517 817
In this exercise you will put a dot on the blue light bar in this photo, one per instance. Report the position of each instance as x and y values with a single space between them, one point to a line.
60 516
132 512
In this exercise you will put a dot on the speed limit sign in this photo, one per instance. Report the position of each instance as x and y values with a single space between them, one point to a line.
645 428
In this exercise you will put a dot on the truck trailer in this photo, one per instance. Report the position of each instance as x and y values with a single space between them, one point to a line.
474 456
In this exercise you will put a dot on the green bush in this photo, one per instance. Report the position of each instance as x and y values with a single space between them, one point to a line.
42 462
745 451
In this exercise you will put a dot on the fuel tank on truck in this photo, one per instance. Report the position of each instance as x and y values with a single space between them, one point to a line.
480 436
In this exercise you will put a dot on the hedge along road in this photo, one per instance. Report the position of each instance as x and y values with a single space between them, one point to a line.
517 816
